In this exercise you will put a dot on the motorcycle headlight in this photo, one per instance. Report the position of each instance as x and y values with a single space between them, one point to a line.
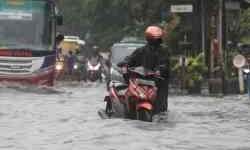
59 67
142 96
75 66
246 70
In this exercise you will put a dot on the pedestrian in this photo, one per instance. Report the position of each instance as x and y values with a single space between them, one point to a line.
70 64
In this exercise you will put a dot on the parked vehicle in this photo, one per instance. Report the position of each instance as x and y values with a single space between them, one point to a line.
28 41
70 46
71 43
118 52
136 99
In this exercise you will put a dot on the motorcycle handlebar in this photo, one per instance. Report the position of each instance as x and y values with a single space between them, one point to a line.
132 69
150 75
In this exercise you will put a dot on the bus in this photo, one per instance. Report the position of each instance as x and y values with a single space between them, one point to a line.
28 41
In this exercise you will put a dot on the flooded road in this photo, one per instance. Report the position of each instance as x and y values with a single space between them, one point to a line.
66 118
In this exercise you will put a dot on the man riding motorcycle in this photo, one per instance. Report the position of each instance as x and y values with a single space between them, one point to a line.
94 66
152 56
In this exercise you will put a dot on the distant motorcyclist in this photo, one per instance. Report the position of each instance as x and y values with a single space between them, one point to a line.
59 54
80 67
94 66
94 54
70 62
153 56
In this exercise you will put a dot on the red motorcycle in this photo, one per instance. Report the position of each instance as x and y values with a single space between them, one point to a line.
134 100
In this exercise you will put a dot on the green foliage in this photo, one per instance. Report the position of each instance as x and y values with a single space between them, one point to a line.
245 24
245 19
195 70
245 39
109 21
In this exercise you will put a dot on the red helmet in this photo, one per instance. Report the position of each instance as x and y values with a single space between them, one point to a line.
153 32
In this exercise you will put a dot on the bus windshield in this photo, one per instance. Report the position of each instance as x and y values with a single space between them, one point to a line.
25 24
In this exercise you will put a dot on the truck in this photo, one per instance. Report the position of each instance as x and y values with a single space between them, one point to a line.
71 43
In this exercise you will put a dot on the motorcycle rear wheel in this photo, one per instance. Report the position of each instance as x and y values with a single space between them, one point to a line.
144 115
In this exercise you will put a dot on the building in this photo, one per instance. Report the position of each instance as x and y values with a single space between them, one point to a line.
208 26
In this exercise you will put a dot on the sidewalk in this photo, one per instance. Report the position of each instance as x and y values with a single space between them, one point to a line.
175 90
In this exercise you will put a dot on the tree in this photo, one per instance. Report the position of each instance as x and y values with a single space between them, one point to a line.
108 21
245 25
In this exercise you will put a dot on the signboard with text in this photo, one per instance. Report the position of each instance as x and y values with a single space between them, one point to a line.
181 8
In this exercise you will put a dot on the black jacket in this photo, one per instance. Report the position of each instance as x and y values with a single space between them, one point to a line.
152 58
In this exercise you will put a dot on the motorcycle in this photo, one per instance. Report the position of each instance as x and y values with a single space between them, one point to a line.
94 71
79 71
133 100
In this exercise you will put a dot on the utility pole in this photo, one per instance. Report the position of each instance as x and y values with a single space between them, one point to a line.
216 50
220 44
220 29
203 26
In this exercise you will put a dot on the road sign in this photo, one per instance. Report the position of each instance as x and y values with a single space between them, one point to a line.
239 61
182 8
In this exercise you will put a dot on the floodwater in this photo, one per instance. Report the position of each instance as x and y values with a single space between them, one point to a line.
66 118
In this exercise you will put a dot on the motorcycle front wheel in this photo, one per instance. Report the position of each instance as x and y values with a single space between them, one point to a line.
144 115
